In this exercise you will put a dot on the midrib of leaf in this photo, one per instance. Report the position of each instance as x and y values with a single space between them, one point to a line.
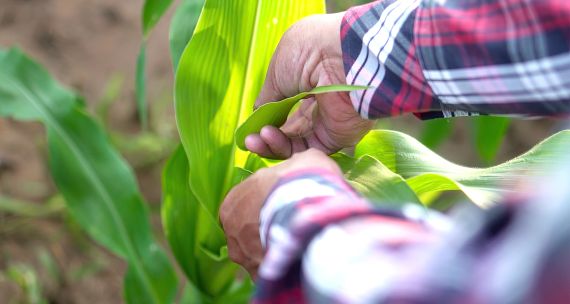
84 164
250 59
241 116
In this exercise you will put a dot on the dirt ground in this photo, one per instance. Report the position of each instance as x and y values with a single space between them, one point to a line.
85 44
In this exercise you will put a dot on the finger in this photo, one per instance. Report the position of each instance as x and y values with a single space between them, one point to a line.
280 146
277 142
305 130
299 144
274 144
304 143
255 144
301 121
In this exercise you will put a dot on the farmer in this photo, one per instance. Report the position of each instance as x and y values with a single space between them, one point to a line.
305 234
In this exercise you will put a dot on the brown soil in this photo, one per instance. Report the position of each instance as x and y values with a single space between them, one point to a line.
83 44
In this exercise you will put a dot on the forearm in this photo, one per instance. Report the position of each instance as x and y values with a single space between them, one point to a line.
459 58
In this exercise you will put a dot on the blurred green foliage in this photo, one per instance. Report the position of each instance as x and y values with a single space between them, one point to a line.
99 187
100 190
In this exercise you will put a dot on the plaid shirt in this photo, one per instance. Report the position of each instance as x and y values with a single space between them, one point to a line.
326 244
459 57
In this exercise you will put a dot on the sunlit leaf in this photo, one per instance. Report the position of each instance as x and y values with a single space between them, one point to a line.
275 113
376 182
98 186
425 171
219 76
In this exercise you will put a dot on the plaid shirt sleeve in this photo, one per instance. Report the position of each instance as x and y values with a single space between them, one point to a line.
443 58
325 244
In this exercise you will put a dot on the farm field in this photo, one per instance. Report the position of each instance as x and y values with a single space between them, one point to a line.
91 47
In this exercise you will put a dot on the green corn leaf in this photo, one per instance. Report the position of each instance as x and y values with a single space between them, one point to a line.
436 131
275 113
488 134
425 171
195 237
152 12
182 27
98 186
191 295
374 180
28 209
219 76
255 162
140 87
240 174
26 277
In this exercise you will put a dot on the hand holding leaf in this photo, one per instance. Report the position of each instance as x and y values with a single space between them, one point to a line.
306 59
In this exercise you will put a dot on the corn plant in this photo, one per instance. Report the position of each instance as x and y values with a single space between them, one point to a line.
181 29
219 73
488 133
99 188
218 78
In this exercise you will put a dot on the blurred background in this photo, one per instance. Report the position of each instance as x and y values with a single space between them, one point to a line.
91 46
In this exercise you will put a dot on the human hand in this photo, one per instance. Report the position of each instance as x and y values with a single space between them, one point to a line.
309 55
239 213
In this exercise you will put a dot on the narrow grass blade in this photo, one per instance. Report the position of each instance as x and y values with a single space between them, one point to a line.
140 87
152 12
182 27
29 209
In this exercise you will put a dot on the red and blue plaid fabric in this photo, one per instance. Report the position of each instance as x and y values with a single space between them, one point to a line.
459 57
326 244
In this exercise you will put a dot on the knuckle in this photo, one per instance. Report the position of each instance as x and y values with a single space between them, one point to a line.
225 210
235 256
234 251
